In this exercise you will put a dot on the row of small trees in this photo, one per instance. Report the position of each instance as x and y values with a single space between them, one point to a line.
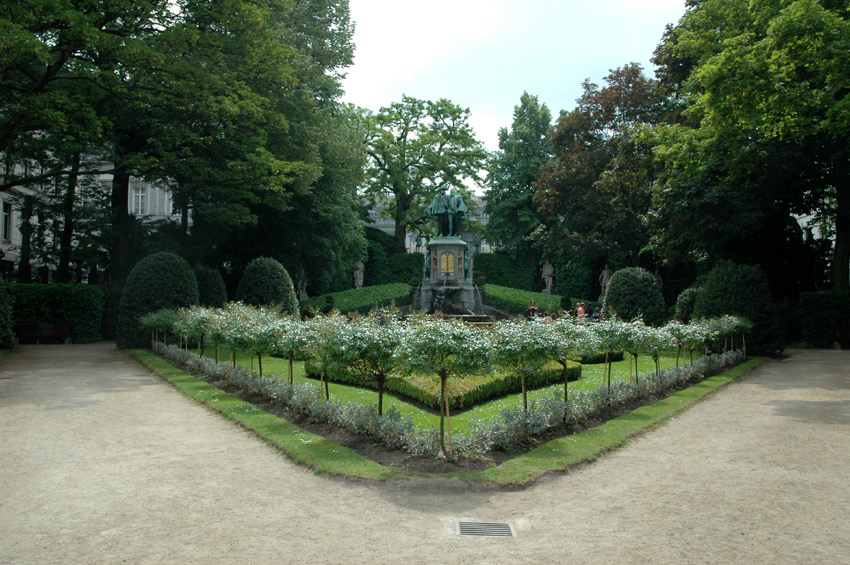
383 344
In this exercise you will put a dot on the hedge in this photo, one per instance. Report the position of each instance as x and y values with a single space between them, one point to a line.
464 392
503 270
78 305
517 301
822 313
7 338
633 293
161 280
363 299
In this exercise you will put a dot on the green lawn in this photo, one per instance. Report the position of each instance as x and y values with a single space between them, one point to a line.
591 377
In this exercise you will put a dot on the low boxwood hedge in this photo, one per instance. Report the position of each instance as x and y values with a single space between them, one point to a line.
517 301
363 299
464 392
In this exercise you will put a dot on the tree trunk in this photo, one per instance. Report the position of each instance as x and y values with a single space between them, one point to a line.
119 256
290 370
443 378
63 270
841 262
524 395
26 229
381 382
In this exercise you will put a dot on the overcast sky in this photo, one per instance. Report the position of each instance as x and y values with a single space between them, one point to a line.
482 54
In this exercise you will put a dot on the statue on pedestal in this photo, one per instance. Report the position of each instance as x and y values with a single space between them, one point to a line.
440 207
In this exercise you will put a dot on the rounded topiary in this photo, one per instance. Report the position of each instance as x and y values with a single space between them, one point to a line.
211 288
685 304
7 338
161 280
633 293
265 282
743 290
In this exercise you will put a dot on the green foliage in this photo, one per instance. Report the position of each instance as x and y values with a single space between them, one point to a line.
633 293
512 172
517 301
161 280
7 339
742 290
385 240
685 304
414 147
377 266
406 267
211 289
79 306
265 282
503 270
578 277
363 299
822 313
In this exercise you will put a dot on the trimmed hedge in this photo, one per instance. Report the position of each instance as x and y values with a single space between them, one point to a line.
503 270
464 392
7 338
517 301
743 290
363 299
407 267
161 280
78 305
821 314
264 282
685 304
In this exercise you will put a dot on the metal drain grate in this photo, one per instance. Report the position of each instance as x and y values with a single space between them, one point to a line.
487 529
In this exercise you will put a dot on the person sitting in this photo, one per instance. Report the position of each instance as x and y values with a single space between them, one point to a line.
580 311
532 311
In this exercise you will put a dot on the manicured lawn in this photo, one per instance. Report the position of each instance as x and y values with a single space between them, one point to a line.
591 377
325 456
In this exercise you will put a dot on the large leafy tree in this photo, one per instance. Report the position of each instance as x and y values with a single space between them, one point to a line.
512 171
595 195
416 147
763 132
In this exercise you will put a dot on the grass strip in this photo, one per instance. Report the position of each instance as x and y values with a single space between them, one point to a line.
325 456
311 450
562 453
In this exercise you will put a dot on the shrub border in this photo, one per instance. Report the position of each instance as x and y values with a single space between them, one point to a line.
558 455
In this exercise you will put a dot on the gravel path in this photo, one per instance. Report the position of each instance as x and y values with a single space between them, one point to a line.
101 462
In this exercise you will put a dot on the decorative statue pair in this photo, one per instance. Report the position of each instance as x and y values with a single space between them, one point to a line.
450 210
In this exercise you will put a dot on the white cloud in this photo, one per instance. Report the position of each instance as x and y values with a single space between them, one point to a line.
483 54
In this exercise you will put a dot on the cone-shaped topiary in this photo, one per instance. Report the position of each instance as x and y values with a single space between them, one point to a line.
161 280
265 282
211 288
633 293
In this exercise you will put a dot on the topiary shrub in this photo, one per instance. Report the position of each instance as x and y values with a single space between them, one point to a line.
7 338
742 290
161 280
211 288
685 304
633 293
264 282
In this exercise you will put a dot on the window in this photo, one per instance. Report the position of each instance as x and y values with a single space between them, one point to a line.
448 266
7 221
140 200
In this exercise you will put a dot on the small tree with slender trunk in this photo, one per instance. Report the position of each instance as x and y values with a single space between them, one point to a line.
448 348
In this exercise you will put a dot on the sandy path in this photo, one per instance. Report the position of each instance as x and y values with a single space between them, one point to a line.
101 462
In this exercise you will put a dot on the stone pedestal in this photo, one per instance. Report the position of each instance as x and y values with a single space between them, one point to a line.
447 278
